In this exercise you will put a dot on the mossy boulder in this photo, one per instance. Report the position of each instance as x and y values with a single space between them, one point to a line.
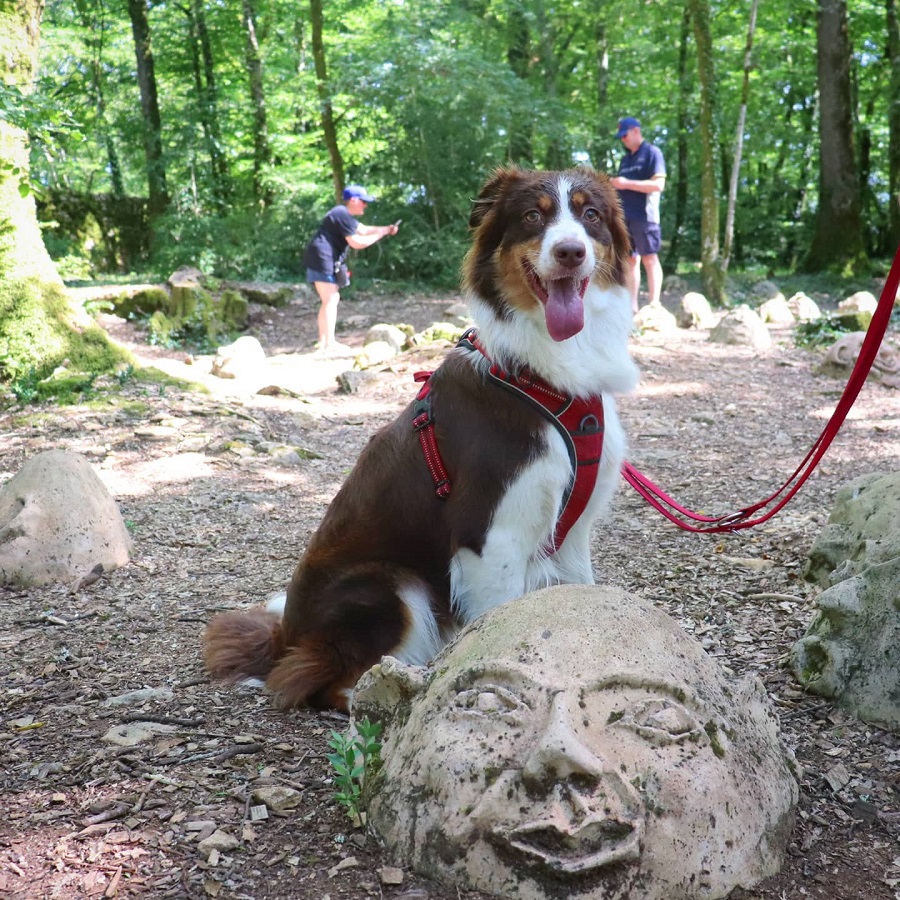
143 302
40 330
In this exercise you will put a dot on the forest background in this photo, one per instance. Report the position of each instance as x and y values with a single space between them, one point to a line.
216 132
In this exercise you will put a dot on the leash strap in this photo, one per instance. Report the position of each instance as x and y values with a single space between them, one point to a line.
747 517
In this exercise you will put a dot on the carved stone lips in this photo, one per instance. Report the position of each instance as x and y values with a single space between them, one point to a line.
595 843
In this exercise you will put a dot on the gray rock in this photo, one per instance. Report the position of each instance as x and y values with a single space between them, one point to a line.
389 334
245 358
776 311
220 841
277 797
851 652
804 308
375 353
695 312
655 317
351 381
742 326
766 290
58 522
863 528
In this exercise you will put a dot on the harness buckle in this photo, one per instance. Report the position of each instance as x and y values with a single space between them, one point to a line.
590 424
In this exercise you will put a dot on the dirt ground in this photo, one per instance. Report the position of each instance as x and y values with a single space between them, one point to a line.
107 793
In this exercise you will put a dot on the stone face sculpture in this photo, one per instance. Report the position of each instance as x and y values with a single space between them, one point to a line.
577 743
841 356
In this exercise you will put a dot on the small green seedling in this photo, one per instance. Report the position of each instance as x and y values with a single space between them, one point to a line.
357 755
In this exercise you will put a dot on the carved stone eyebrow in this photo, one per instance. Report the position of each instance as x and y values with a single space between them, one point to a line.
682 695
503 675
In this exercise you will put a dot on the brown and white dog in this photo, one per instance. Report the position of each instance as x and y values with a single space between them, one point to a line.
398 563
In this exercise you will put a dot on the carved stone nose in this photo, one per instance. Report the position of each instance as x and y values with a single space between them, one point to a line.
569 253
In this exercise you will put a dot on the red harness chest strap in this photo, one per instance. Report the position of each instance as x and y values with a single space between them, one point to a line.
578 421
423 422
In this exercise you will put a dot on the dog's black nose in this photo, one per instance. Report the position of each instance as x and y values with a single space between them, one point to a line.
569 253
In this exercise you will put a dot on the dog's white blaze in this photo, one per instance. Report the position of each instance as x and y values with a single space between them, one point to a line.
594 359
564 227
275 604
423 640
512 561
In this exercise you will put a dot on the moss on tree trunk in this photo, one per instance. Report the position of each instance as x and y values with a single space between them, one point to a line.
39 327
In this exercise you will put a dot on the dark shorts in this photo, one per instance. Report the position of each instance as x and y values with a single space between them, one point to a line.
314 275
646 238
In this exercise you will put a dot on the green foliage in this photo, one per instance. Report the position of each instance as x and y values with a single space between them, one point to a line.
428 96
356 757
820 333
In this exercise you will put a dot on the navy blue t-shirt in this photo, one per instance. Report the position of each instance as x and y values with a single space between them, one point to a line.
329 244
642 165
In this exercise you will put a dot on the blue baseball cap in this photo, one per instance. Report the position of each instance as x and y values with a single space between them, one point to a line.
626 124
357 190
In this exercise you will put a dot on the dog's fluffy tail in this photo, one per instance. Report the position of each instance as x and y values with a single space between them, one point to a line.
313 673
243 645
238 646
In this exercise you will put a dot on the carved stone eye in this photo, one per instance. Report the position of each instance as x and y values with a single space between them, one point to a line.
661 721
490 701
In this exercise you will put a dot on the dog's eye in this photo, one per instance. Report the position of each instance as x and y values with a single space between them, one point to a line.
533 217
590 214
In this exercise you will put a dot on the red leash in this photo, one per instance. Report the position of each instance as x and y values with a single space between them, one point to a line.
747 518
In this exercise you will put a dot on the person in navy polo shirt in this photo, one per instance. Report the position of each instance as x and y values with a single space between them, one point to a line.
641 179
324 259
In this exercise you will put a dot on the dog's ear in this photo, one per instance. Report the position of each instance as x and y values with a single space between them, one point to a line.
615 222
491 191
621 238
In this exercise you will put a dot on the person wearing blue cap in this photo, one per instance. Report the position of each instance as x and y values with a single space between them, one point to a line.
641 179
324 259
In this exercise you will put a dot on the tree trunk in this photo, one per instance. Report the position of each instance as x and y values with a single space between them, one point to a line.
207 102
601 141
893 53
739 140
710 262
518 56
681 185
39 328
329 130
158 192
262 154
95 31
837 242
210 97
22 250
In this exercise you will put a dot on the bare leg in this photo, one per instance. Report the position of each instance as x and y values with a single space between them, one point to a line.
653 268
634 281
327 319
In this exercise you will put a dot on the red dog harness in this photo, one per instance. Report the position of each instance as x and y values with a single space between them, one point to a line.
579 423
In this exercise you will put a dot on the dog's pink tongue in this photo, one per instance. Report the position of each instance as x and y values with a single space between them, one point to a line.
564 310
